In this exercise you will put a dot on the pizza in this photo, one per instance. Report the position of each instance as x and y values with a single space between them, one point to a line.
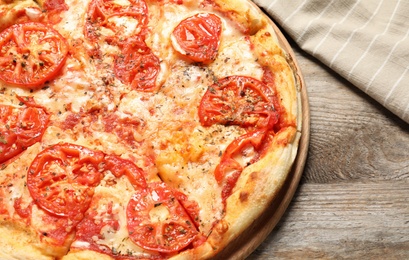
140 129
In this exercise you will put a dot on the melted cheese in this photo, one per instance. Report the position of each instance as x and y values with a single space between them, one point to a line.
117 240
129 25
73 22
121 2
159 214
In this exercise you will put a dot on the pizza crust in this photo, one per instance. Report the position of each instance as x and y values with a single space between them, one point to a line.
271 55
85 255
244 14
18 241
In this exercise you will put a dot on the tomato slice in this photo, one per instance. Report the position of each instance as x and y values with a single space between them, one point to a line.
20 128
157 221
55 5
238 100
249 103
61 179
119 167
101 13
99 216
198 37
31 54
137 66
243 151
53 8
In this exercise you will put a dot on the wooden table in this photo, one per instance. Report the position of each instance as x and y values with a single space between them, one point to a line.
353 198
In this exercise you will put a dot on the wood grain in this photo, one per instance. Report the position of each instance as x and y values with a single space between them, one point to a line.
357 221
352 201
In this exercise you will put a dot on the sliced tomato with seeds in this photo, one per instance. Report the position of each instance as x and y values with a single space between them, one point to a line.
157 220
137 66
61 178
31 54
20 128
238 100
198 37
7 140
192 207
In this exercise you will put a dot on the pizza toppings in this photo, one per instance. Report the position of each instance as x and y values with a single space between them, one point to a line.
20 128
137 66
242 152
243 101
122 18
53 9
61 179
157 221
198 37
123 24
238 100
55 5
101 216
31 54
124 128
123 167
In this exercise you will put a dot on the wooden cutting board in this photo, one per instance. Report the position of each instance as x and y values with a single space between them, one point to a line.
247 242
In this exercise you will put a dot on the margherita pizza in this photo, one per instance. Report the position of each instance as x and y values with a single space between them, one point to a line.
139 129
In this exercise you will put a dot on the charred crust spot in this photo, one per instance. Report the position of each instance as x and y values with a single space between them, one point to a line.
254 175
244 196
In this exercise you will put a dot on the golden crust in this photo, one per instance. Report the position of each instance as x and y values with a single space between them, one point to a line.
85 255
244 14
271 55
18 241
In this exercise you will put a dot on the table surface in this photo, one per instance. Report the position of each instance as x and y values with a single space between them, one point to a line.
352 200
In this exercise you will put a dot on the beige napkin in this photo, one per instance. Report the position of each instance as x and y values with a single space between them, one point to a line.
364 41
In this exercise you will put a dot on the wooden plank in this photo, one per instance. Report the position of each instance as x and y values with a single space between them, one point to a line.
352 136
359 221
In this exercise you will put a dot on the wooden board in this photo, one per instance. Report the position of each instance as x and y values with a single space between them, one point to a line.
263 226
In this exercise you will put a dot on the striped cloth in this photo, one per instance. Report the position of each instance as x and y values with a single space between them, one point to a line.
364 41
